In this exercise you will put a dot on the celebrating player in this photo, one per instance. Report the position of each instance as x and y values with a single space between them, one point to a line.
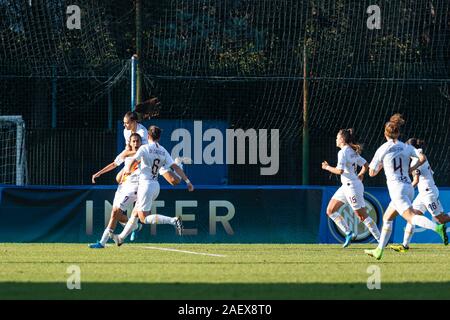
394 156
131 125
352 189
153 156
126 191
427 199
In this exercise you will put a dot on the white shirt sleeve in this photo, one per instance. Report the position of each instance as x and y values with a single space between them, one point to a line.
118 160
341 160
361 161
413 152
142 131
168 160
138 154
376 161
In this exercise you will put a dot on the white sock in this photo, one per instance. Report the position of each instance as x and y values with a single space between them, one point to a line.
409 231
340 222
159 219
129 227
423 222
105 236
386 231
370 224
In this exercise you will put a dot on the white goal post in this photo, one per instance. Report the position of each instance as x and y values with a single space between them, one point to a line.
13 162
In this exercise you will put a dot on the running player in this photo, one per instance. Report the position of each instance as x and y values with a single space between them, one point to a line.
352 189
394 156
126 191
427 199
153 156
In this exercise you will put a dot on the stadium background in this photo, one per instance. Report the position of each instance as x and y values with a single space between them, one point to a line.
237 61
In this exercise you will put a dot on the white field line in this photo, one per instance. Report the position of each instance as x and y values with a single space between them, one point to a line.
183 251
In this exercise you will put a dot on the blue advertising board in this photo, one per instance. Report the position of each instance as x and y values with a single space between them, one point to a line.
377 200
202 141
211 214
225 214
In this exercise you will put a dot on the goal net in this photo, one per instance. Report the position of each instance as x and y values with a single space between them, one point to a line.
12 155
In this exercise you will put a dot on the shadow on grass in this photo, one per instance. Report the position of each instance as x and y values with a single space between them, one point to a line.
224 291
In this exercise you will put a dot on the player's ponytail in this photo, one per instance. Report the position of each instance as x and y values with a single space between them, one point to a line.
154 133
392 127
349 138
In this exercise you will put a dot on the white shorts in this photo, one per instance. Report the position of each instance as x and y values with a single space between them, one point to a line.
428 200
125 194
351 193
401 194
147 192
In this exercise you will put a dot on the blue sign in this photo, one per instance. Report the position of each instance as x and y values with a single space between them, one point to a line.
247 214
377 199
202 141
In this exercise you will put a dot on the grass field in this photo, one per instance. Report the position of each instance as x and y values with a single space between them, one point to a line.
221 271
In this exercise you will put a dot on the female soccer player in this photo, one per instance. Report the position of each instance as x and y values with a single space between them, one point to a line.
126 191
394 156
352 189
153 156
131 124
427 199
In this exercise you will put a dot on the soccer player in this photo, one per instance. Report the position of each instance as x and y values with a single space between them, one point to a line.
394 156
427 199
352 189
126 191
131 125
153 156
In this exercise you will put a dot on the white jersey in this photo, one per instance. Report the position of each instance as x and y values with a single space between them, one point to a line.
133 178
349 160
395 157
153 156
141 130
426 180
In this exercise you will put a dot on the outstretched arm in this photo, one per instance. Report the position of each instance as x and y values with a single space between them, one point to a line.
108 168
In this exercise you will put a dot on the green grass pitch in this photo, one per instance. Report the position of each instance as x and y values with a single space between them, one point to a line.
231 271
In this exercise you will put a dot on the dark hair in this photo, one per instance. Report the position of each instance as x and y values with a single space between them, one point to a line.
137 135
154 132
131 115
149 108
416 143
349 138
392 127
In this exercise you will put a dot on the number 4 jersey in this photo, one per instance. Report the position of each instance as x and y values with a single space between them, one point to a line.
395 157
